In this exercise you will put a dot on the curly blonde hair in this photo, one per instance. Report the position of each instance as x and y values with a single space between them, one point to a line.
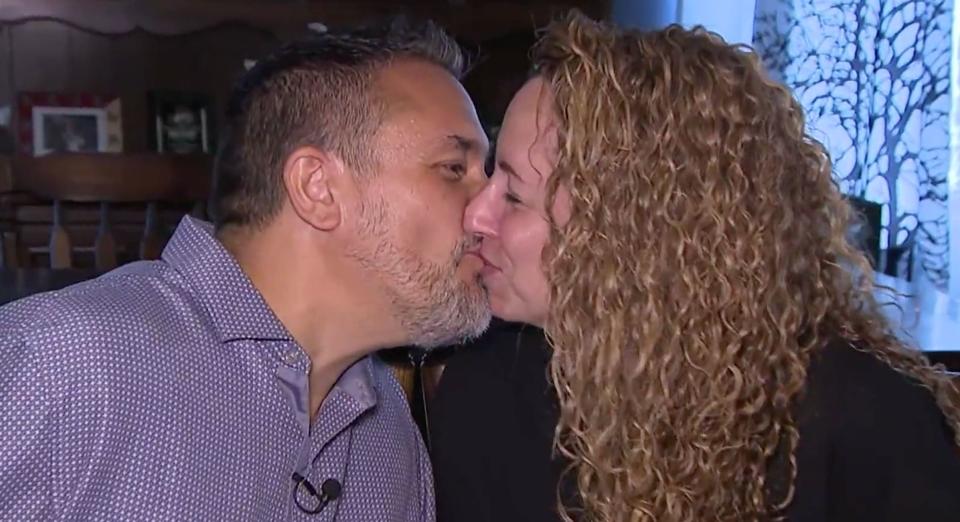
704 264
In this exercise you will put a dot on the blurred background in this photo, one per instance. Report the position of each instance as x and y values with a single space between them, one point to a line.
109 113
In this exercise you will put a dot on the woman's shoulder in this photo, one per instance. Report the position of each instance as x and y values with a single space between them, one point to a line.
852 390
853 381
873 441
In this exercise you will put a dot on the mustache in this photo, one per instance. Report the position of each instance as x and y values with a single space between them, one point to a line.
465 245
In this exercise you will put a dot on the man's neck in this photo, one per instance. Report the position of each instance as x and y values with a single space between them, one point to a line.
329 309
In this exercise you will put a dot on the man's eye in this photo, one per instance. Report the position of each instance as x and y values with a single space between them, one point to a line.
458 170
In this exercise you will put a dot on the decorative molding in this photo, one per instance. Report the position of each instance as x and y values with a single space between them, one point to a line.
117 17
178 17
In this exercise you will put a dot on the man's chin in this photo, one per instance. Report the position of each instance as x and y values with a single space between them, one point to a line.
464 336
475 323
480 327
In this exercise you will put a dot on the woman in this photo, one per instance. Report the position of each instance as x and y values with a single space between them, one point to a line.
657 208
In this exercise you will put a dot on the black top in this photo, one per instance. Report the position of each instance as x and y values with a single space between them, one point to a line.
491 424
873 445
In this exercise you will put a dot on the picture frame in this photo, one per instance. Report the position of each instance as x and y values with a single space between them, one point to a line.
57 122
181 122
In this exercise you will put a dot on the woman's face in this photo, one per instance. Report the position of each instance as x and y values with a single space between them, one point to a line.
510 214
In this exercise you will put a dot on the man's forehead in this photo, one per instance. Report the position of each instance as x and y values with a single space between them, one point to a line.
438 128
429 106
443 107
417 85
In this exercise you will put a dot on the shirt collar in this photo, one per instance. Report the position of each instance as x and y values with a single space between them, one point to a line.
237 309
357 382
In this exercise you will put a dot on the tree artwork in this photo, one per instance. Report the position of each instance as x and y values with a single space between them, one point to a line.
874 79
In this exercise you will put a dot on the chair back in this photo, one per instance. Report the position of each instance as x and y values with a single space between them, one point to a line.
117 207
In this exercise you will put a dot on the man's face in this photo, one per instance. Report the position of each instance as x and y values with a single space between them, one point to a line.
429 154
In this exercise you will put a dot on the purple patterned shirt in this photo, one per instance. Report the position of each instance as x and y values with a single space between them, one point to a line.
168 390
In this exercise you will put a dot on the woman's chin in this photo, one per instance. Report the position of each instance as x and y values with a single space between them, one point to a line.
515 312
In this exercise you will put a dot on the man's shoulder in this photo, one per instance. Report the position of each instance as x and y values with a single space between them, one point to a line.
131 301
384 378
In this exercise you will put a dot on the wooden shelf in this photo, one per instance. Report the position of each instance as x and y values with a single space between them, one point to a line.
177 17
113 177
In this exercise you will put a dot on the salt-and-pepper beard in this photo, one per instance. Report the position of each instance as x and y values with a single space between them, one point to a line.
432 303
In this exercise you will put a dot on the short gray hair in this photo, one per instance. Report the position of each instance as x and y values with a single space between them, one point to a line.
312 92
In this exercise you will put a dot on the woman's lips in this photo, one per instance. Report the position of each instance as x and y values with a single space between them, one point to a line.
488 267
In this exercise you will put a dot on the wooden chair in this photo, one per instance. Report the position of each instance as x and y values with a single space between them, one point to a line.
8 245
418 372
81 191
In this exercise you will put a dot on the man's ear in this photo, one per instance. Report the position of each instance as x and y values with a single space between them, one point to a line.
314 180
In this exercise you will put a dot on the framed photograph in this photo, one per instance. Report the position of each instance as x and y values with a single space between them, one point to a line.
50 122
181 122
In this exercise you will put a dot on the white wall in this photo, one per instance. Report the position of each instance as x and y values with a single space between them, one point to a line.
644 14
732 19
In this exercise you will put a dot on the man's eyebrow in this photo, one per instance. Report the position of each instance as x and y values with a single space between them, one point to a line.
467 145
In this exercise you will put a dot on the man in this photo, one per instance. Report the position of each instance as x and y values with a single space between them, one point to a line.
232 379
